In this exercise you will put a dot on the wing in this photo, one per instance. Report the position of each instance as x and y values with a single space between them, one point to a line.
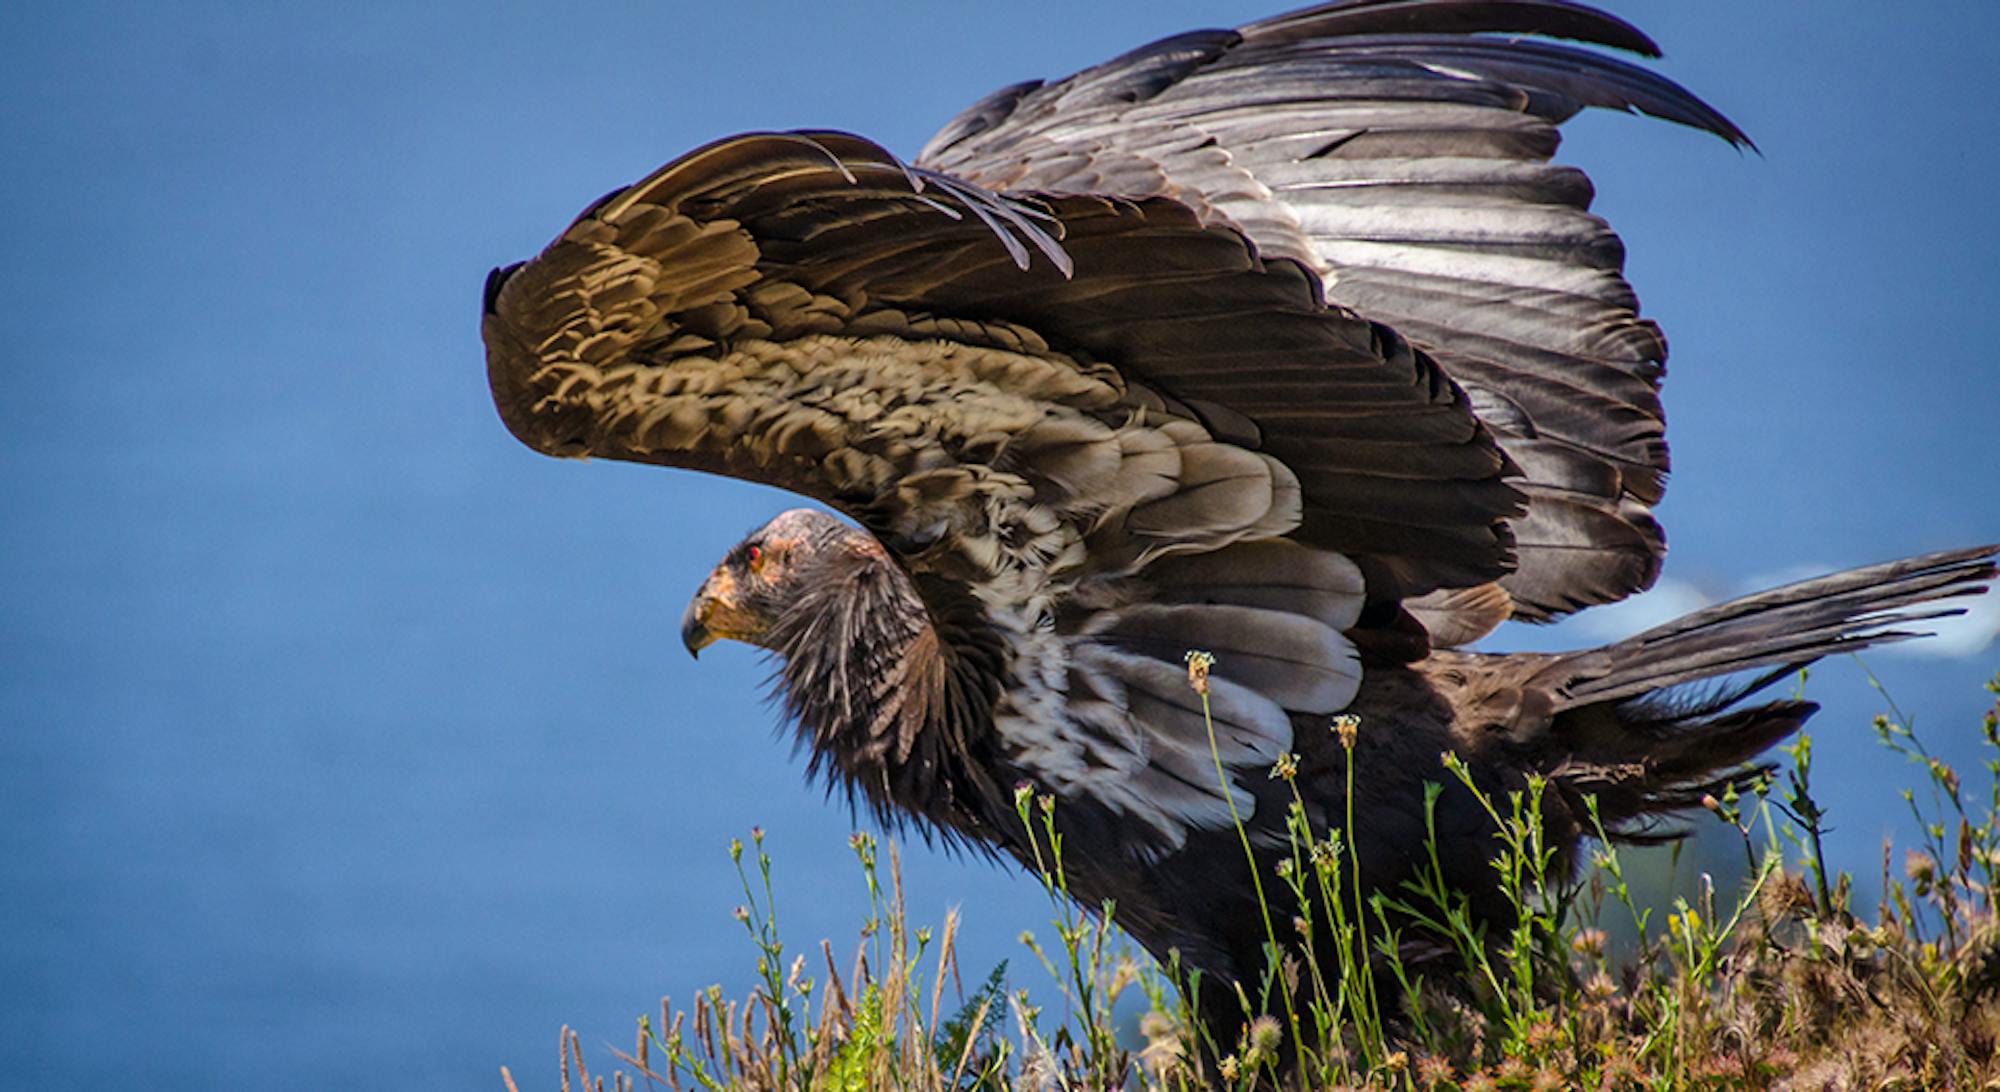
1117 429
681 322
1400 148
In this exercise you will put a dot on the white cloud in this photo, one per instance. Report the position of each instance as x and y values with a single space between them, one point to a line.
1957 637
1665 601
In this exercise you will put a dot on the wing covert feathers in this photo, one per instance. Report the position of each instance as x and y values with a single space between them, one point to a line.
1016 375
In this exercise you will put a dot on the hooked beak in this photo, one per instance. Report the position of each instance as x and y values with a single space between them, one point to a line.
694 626
717 612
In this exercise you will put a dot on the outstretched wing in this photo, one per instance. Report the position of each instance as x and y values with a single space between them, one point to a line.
686 320
1116 428
1400 148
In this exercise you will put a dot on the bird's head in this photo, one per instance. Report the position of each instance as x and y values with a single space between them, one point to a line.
775 569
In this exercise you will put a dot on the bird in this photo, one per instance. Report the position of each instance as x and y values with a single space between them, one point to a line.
1288 344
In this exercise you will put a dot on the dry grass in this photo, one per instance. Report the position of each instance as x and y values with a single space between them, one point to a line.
1781 984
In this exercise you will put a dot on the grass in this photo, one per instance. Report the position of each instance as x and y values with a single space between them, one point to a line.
1780 982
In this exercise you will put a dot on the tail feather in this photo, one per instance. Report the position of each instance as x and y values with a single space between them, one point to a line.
1637 735
1785 628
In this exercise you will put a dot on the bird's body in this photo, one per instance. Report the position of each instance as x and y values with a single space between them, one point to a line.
907 706
1286 344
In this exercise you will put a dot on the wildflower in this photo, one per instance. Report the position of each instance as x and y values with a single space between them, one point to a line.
1920 867
1346 726
1325 856
1621 1066
1397 1061
741 913
1725 1067
736 849
1230 1067
1260 1041
757 835
1284 868
1589 942
1048 802
1265 1035
1600 987
1023 792
1433 1070
1039 1070
1286 768
1945 776
1787 894
1124 976
1198 664
1163 1042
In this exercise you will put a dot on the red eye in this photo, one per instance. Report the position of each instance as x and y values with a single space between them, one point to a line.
755 557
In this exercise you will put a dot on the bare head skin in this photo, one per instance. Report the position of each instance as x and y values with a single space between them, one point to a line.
743 597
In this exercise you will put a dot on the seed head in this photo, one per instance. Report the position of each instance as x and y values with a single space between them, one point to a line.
1347 726
1198 664
1919 867
1265 1035
1325 855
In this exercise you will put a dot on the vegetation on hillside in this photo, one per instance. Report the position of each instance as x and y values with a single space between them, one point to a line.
1781 982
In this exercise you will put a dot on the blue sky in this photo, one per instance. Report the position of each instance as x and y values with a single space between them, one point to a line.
341 736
